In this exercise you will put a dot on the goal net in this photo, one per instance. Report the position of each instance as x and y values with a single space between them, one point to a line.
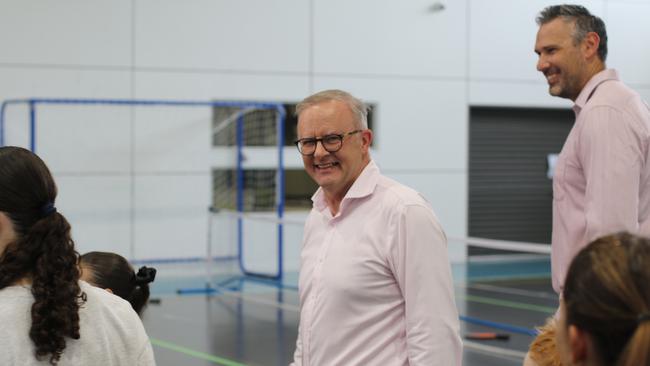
248 188
136 176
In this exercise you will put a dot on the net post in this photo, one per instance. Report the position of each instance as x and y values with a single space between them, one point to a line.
32 126
280 189
240 191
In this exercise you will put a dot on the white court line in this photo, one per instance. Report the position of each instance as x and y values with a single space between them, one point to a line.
505 245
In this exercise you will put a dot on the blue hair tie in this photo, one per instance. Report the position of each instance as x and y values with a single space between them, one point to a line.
47 209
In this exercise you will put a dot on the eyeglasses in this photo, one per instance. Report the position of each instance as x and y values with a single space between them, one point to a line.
331 143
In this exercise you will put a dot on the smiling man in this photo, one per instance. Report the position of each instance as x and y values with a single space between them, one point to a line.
601 183
375 281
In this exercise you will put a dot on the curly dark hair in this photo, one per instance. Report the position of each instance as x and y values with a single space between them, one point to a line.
43 251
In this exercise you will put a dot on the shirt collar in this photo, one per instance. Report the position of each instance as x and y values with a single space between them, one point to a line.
590 87
363 186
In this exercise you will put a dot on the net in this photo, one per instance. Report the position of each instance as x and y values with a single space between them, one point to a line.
249 184
136 175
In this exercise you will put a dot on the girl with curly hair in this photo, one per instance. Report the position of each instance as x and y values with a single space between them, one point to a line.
47 315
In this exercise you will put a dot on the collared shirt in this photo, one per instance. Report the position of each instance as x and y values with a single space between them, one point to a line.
602 177
375 281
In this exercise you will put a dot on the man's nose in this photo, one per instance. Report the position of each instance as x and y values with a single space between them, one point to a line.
542 64
320 149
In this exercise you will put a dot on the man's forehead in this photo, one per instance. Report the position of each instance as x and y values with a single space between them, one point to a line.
554 32
327 111
558 27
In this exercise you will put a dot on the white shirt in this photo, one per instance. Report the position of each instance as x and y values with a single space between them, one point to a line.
375 281
111 333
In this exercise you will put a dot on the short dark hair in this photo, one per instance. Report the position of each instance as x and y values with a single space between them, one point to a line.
585 22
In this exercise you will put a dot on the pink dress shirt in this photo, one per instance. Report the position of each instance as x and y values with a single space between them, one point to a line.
602 177
375 281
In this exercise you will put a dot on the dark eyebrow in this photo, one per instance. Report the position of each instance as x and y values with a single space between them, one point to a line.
546 48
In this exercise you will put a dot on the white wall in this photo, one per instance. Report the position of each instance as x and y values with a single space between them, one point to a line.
133 182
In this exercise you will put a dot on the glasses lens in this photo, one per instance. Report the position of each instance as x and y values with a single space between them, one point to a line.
307 146
332 143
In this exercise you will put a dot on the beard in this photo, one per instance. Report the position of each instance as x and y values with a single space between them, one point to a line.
567 86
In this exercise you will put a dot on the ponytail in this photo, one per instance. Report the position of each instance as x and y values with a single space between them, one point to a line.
46 255
55 287
637 351
140 294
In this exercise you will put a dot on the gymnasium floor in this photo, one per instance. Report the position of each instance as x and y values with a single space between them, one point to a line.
253 323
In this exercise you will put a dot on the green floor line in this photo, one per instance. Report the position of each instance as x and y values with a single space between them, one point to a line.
508 304
194 353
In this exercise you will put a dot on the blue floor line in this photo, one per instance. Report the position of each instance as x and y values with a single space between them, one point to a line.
501 326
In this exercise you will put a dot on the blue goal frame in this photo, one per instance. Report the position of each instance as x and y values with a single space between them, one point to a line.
33 103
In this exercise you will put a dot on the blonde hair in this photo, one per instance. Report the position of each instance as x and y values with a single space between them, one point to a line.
543 351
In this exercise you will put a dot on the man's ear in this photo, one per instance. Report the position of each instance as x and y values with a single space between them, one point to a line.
590 45
366 138
578 343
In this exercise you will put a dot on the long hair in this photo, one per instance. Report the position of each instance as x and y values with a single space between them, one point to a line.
112 271
607 294
42 252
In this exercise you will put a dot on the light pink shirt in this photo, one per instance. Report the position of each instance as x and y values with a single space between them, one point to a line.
375 281
602 177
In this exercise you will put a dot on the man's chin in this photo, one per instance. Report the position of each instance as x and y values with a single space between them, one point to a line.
325 179
555 91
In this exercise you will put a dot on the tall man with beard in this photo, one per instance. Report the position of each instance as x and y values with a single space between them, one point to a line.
375 282
601 183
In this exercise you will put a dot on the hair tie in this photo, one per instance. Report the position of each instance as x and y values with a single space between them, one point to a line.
145 275
47 209
642 318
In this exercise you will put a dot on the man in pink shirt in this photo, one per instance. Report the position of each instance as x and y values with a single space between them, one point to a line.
601 183
375 282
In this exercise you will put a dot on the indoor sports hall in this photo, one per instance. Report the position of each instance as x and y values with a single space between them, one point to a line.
169 128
